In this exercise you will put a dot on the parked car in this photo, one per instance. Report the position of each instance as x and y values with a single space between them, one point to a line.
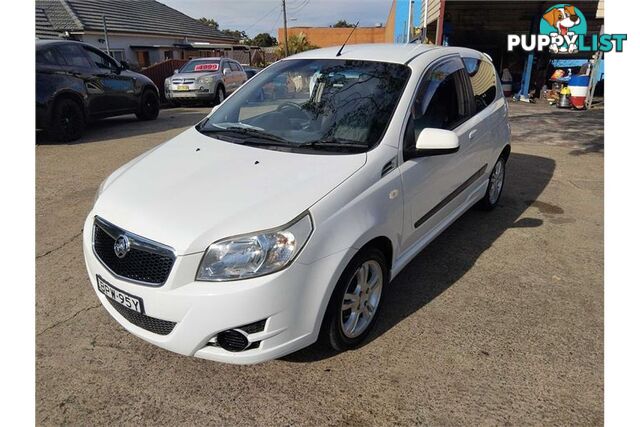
272 224
251 71
77 83
208 80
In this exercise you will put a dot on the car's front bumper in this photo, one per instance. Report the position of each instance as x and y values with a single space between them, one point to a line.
195 92
291 301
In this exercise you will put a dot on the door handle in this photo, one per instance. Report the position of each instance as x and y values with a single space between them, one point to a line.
473 133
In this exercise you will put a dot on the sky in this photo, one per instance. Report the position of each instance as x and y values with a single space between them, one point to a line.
265 16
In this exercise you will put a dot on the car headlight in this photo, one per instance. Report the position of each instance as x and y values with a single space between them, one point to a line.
256 254
206 80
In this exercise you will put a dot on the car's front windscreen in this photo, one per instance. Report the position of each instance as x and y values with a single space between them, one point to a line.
200 66
327 105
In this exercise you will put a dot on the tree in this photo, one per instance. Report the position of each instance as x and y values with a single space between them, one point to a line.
297 43
343 24
264 40
210 23
237 34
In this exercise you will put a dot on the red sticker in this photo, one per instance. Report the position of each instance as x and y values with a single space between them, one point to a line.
206 67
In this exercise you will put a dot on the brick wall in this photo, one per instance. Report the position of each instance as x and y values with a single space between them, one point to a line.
326 36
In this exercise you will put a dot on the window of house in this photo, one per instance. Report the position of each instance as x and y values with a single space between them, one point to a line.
143 58
117 54
168 54
73 55
483 81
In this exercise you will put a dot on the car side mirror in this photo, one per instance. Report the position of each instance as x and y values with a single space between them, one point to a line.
124 65
226 71
436 142
176 71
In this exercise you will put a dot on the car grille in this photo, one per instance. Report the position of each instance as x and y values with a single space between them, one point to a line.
183 81
151 324
146 262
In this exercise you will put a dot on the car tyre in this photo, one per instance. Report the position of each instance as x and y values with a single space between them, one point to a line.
356 301
496 185
67 121
220 95
149 106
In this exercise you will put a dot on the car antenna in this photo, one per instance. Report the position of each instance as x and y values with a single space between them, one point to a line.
345 42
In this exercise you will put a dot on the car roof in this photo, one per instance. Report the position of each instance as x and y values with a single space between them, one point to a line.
209 58
51 42
384 52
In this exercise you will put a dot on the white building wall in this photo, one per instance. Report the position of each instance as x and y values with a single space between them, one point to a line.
123 42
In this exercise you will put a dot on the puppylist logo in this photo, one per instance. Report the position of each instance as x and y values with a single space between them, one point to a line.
563 30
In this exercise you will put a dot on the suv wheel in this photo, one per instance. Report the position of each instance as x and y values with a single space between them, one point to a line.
220 95
355 303
149 106
496 184
67 121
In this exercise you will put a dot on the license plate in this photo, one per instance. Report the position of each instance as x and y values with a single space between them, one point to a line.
121 297
182 87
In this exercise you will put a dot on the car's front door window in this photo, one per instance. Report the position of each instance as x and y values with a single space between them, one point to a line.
74 56
102 61
442 101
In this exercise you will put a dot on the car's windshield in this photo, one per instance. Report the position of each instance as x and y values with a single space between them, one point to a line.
312 104
200 66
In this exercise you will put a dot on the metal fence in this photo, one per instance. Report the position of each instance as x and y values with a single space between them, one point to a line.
159 72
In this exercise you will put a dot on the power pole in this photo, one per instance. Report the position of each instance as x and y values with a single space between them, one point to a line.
410 22
286 36
106 34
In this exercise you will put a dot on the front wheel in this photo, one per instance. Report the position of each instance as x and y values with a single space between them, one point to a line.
149 106
220 95
355 303
496 183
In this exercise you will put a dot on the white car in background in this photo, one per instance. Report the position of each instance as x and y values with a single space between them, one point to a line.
283 216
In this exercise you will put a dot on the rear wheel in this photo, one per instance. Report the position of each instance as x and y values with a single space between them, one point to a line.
67 121
355 303
149 106
496 183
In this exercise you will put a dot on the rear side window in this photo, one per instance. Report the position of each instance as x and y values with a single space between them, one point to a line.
483 81
235 67
74 55
49 57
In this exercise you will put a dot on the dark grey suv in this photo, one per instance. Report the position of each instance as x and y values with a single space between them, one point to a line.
77 83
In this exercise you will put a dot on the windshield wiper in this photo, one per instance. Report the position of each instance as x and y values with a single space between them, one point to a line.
336 143
254 133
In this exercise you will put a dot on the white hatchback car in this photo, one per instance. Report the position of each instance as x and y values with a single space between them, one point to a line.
282 216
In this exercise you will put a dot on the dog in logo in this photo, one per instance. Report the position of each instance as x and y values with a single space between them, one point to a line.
563 18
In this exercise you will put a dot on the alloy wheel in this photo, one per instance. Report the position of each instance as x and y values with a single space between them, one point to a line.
496 181
361 299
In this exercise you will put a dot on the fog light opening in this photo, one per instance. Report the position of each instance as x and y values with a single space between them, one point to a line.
233 340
